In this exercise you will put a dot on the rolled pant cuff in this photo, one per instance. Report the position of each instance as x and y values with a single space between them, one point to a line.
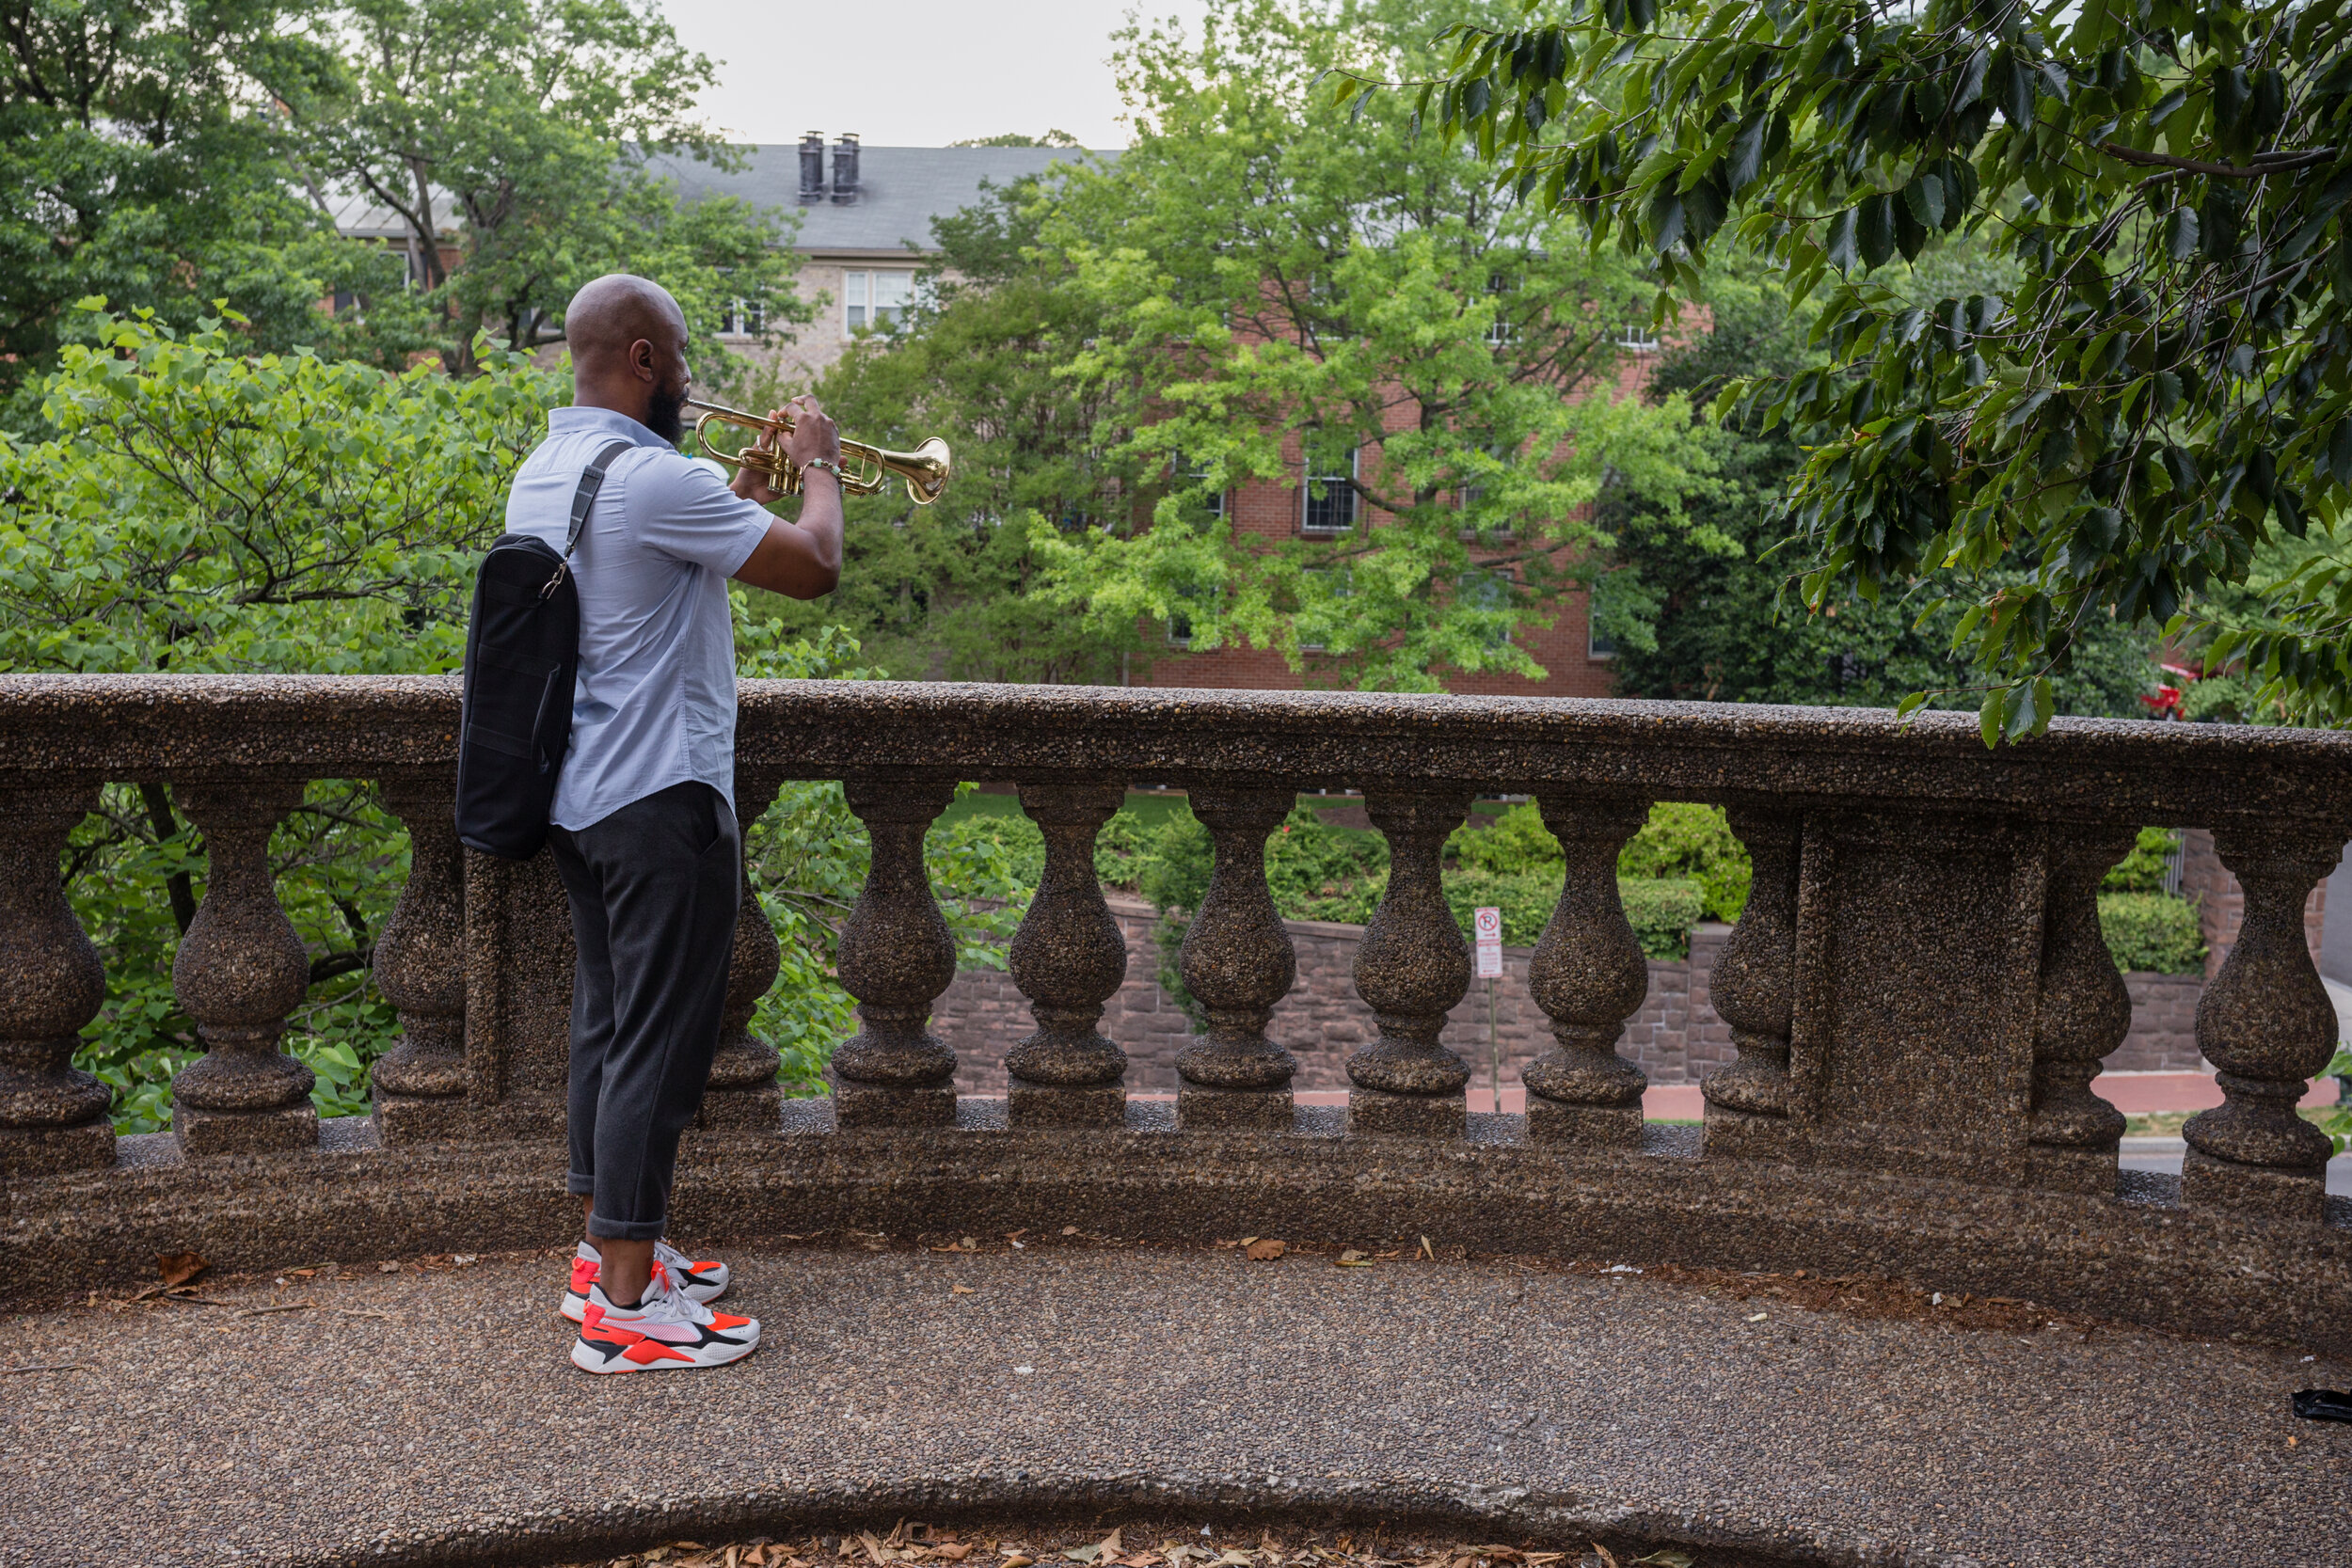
580 1186
604 1229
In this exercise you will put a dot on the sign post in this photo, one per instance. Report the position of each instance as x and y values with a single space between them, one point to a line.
1486 925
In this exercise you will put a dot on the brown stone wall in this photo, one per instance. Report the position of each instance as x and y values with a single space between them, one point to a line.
1676 1038
2164 1025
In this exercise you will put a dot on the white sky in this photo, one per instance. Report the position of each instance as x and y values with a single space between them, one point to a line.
913 72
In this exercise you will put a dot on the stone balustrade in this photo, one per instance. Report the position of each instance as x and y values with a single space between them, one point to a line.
1916 988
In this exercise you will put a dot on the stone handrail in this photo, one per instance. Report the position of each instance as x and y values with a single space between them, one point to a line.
1917 986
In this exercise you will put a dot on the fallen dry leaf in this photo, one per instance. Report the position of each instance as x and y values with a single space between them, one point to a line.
1351 1258
1262 1250
1668 1558
1069 1230
395 1268
959 1291
178 1268
1014 1560
953 1551
1607 1560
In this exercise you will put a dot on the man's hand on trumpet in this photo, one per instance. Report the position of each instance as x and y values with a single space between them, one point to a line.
814 437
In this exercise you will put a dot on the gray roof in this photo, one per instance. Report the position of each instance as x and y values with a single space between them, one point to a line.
900 189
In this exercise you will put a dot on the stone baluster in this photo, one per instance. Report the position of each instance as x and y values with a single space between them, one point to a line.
1068 957
420 1085
743 1094
897 956
1238 964
2082 1011
239 972
1412 967
2266 1024
52 1117
1588 976
1753 989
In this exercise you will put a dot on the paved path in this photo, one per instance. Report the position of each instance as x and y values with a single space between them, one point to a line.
430 1416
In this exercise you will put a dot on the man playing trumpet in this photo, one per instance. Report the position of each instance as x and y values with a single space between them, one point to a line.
643 829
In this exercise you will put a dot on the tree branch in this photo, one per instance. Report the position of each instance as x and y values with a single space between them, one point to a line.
2267 162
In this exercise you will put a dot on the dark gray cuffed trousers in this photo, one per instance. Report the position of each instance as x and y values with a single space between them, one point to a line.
654 889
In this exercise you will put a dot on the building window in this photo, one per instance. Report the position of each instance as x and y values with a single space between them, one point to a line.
1637 338
741 321
1327 498
1473 496
1598 644
875 299
1192 475
1501 331
1488 590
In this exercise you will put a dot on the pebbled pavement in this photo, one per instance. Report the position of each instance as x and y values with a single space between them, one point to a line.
429 1416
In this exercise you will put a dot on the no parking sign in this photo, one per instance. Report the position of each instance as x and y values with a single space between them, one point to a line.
1486 925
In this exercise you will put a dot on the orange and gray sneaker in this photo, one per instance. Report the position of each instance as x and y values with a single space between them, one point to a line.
666 1330
702 1282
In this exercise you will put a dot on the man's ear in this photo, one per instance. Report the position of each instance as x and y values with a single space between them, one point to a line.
641 357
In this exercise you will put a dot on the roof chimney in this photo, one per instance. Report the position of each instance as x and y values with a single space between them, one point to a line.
845 170
812 168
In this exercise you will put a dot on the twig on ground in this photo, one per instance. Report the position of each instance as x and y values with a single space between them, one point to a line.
286 1306
49 1366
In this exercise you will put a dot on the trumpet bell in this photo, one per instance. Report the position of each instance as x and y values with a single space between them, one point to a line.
926 470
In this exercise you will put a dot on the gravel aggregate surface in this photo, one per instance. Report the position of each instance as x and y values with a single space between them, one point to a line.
428 1414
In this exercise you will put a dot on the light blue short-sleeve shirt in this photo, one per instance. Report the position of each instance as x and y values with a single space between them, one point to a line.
654 703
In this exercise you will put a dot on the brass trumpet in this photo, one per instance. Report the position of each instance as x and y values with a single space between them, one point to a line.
925 469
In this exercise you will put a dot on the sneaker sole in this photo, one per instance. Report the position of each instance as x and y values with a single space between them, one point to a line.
709 1355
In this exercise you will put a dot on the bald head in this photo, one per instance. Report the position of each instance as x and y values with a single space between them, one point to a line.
627 339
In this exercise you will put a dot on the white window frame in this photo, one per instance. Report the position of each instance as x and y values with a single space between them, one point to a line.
1499 332
1635 337
859 286
1335 484
732 325
1183 469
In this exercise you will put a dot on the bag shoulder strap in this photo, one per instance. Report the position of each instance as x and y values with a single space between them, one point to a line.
583 499
591 481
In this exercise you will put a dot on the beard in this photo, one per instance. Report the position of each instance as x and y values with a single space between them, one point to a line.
665 414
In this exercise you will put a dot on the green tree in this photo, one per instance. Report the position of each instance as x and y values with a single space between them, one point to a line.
141 158
203 509
2166 392
1274 283
535 132
952 590
1731 625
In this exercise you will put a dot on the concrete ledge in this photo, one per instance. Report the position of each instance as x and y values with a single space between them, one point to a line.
2140 1256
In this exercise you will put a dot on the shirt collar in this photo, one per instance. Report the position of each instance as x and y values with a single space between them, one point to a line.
565 421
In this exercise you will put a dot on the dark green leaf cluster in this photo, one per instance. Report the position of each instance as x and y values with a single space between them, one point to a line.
2165 393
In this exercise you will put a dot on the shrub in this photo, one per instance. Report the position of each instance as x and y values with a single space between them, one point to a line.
2142 870
1516 841
2152 932
1680 842
1122 850
1686 842
1662 911
1525 897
